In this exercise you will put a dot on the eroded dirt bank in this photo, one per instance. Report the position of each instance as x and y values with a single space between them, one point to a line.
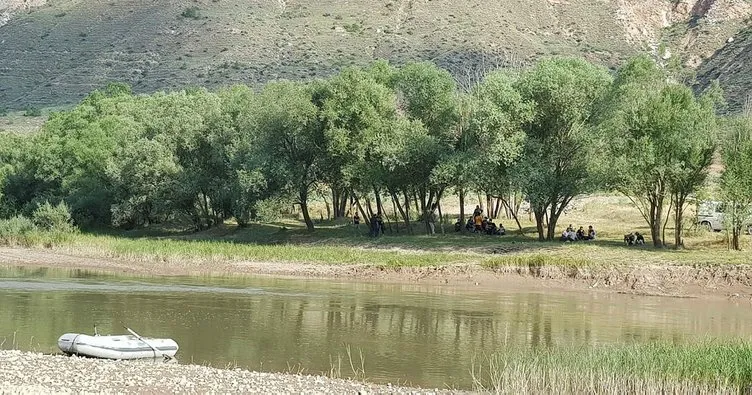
719 281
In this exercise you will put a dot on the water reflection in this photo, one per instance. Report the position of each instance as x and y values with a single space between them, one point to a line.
426 336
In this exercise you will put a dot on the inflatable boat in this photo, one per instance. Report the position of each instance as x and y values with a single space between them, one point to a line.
116 347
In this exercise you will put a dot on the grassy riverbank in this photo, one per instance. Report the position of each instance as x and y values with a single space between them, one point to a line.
709 366
343 246
339 243
337 249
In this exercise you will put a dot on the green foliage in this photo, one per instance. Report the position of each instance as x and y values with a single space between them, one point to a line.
191 13
291 139
32 112
20 230
198 158
561 143
662 139
736 180
15 227
53 218
352 28
655 367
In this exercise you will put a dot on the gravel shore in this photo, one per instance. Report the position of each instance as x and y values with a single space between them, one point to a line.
34 373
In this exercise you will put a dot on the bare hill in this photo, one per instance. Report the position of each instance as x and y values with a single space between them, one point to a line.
56 52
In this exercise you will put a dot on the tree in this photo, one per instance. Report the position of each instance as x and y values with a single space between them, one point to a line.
427 94
291 139
498 124
661 142
144 177
355 108
245 177
560 141
736 179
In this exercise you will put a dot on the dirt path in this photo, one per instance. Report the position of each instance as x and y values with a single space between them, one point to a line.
723 281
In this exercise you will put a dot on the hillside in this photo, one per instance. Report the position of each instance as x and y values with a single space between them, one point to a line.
56 52
732 67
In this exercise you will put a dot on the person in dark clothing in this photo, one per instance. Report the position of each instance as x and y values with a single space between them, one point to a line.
591 233
581 233
356 220
374 227
470 225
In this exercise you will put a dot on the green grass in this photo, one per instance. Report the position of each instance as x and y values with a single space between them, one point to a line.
706 366
168 249
337 242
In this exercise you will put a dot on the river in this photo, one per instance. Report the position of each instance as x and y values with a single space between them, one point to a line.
397 333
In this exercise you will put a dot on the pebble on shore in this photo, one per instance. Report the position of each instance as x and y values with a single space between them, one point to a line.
34 373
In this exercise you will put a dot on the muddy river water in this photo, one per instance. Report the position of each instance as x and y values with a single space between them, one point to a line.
420 335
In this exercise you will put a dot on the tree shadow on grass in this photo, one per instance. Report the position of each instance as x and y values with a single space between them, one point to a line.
340 233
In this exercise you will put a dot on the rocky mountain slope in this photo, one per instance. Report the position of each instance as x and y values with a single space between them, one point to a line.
54 52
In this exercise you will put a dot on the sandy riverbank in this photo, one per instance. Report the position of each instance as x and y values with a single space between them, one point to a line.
33 373
719 281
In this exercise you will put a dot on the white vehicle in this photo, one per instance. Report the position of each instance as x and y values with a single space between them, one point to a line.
116 347
710 214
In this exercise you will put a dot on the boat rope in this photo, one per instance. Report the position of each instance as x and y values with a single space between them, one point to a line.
73 344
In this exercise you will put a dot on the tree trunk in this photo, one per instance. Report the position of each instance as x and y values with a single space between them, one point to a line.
339 202
514 215
552 219
441 217
407 213
365 218
342 205
398 206
656 216
379 206
462 210
328 209
304 209
368 206
539 217
394 209
665 223
678 228
489 206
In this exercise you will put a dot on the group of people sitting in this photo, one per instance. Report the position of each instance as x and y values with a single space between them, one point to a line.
480 224
571 235
635 238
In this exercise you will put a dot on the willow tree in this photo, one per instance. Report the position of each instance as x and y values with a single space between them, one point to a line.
736 180
427 94
559 147
291 139
355 109
661 141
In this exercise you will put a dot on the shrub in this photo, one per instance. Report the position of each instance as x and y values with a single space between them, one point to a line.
191 12
32 112
53 218
17 230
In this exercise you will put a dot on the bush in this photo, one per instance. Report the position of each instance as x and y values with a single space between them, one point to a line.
191 12
17 230
53 218
32 112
